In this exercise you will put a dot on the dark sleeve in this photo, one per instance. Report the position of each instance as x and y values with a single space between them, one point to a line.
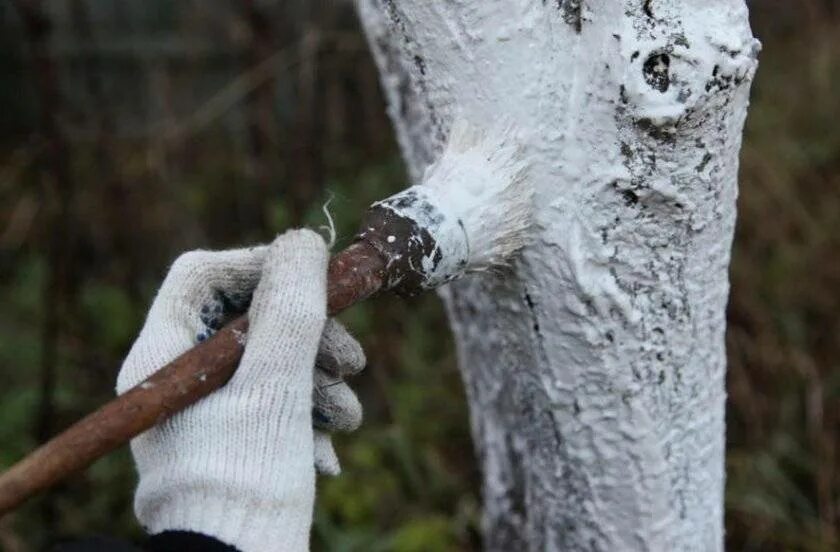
168 541
184 541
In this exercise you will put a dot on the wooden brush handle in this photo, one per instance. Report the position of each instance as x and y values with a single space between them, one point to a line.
354 274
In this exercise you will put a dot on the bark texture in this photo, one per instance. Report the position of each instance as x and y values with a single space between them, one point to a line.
595 366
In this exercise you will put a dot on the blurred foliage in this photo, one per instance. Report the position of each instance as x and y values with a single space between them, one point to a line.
95 207
783 488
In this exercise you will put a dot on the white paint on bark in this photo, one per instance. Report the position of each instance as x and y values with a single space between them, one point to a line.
595 369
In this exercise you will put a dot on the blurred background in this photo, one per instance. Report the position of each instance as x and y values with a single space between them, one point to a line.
132 130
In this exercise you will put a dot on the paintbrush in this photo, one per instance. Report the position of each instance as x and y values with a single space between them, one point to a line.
472 213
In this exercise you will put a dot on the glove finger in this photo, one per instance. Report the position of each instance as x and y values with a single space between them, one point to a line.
198 274
339 353
335 406
288 313
204 289
326 460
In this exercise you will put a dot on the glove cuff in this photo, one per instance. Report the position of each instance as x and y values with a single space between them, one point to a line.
250 526
239 469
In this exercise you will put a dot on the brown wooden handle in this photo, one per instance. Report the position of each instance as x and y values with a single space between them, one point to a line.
354 274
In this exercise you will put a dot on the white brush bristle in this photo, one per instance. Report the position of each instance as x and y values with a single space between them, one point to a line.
481 184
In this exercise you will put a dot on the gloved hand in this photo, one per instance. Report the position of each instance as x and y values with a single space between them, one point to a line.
239 464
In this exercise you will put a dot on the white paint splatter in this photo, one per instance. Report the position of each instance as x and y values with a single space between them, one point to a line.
240 337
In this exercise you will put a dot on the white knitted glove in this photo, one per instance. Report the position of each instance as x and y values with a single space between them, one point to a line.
238 465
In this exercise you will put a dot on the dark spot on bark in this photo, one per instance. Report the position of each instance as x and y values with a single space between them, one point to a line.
661 377
391 9
626 150
572 13
617 37
463 262
531 306
610 337
576 407
681 40
721 82
404 92
656 71
554 424
731 53
630 197
648 8
421 64
704 162
635 55
530 301
656 132
622 94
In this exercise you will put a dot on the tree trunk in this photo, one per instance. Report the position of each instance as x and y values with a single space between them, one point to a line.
595 366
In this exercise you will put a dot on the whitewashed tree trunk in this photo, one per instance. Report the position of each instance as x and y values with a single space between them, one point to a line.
595 367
